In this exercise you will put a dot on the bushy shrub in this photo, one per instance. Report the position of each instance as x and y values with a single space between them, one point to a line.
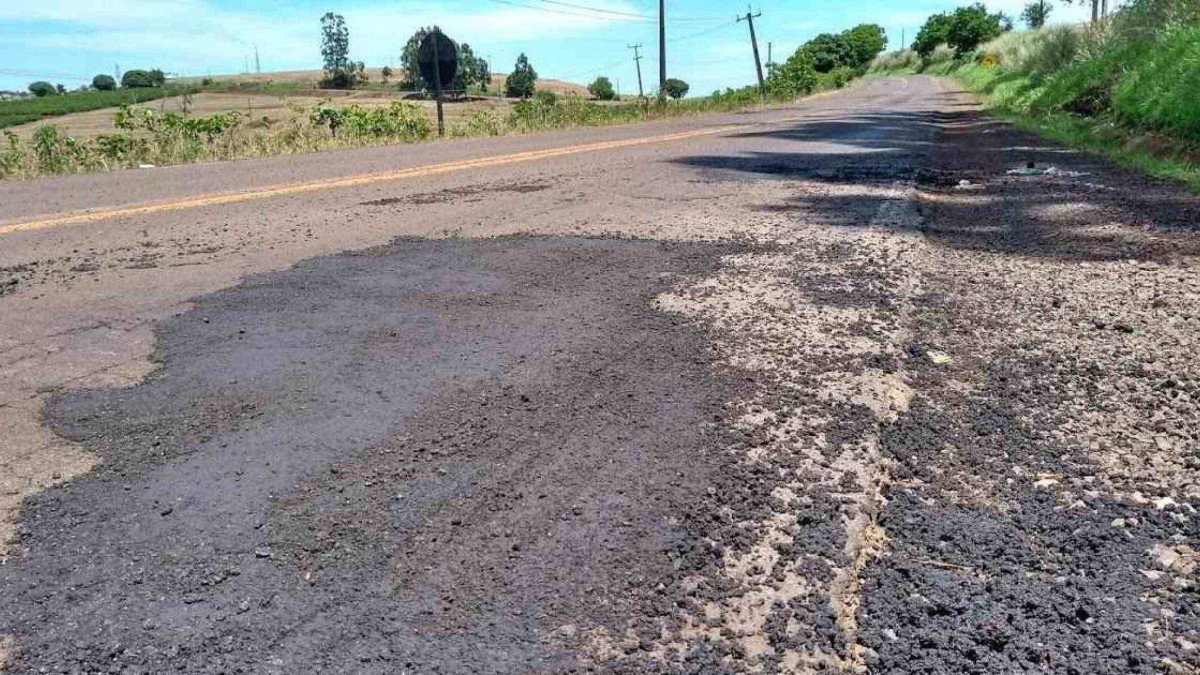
339 78
836 78
546 97
602 89
828 51
41 89
855 47
972 26
104 83
142 79
941 54
796 77
676 88
902 59
398 120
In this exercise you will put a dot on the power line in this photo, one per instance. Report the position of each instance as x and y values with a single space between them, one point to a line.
627 16
597 9
702 33
547 9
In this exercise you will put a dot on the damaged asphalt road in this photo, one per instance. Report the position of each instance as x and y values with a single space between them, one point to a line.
841 393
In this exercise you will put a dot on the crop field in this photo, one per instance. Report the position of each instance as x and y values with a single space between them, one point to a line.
22 111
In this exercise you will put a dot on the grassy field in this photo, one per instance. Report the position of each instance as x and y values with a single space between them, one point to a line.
266 99
23 111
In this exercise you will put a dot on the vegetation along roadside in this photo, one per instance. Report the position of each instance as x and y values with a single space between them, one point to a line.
152 135
1126 85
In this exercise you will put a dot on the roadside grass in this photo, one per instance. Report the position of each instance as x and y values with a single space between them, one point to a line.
146 136
21 111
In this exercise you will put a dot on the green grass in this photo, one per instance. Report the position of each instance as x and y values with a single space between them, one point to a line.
13 113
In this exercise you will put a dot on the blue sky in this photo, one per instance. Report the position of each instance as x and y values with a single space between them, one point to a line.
68 41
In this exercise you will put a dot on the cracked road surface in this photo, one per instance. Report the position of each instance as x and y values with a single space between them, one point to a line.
839 386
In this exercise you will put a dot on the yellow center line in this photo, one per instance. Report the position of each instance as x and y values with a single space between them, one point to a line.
213 199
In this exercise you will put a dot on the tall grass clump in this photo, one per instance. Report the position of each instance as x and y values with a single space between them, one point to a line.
1039 52
899 60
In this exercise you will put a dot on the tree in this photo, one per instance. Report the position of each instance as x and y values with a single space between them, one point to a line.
863 43
522 81
335 53
602 89
104 83
828 51
972 26
473 71
936 31
675 88
795 77
1036 14
408 60
385 73
140 79
41 89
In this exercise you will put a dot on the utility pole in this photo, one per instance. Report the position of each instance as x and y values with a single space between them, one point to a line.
903 38
749 18
637 59
770 58
437 76
257 65
662 48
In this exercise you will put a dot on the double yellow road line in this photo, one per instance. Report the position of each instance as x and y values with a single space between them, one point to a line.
285 189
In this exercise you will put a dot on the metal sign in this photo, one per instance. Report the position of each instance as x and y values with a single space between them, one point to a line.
437 59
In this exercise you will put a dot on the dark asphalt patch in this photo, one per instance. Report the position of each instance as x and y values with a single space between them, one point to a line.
453 194
454 455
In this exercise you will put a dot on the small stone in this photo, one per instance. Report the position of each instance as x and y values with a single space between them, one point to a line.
262 552
938 358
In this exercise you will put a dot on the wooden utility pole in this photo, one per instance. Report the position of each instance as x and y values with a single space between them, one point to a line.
637 59
662 48
437 81
749 18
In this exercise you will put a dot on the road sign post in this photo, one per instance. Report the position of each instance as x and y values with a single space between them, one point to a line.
437 59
